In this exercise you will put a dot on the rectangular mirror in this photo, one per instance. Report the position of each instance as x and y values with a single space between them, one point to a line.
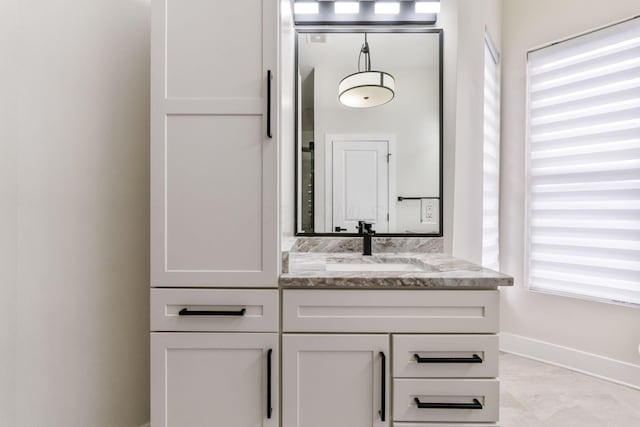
369 131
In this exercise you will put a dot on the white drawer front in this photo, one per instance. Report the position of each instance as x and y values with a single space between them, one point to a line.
483 392
390 311
214 310
445 356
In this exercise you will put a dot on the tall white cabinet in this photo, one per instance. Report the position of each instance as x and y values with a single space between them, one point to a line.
214 205
213 143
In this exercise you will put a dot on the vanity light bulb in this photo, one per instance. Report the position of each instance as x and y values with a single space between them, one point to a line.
427 7
305 8
386 8
345 7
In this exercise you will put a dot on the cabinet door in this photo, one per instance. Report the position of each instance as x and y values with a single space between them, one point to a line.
204 379
213 165
335 380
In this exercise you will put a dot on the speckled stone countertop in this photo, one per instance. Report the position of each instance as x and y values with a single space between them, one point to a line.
430 271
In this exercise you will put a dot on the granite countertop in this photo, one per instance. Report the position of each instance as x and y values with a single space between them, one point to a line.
426 271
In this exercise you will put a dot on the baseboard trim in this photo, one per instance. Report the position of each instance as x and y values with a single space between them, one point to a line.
623 373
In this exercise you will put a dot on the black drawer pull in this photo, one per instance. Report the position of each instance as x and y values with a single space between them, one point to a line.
473 359
383 386
269 408
187 312
269 135
475 405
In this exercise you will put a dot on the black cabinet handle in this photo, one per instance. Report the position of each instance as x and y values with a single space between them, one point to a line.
475 405
383 386
473 359
187 312
269 409
339 229
269 104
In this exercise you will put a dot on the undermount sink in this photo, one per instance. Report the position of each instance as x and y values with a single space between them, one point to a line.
373 267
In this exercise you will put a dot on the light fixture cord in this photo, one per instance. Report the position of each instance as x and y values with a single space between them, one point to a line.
367 55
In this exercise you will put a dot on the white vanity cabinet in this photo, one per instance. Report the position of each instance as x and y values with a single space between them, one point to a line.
214 143
205 379
214 358
429 357
335 380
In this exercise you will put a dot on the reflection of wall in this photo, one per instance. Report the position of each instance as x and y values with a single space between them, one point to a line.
306 179
307 102
305 204
412 116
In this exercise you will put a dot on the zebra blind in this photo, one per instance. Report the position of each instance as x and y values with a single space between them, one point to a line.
583 184
491 161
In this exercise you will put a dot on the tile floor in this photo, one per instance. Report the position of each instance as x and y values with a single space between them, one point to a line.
535 394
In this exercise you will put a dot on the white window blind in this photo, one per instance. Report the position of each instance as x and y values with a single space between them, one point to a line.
491 161
583 184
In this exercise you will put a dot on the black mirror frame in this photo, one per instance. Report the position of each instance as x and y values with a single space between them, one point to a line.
387 29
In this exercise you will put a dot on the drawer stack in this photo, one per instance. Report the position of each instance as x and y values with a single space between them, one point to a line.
445 378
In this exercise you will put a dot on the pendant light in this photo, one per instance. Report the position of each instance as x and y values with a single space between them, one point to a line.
366 88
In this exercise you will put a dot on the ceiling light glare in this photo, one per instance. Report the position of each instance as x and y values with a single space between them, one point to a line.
386 8
305 8
427 7
346 7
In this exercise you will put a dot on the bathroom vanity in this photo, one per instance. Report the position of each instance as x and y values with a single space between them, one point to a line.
399 337
395 339
252 329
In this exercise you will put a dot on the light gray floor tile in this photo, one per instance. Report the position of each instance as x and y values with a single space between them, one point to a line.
535 394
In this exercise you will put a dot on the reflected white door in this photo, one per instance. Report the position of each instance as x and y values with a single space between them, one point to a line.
360 185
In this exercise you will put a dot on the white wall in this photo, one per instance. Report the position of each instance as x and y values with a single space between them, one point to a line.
448 21
287 117
412 117
9 72
602 329
75 209
475 17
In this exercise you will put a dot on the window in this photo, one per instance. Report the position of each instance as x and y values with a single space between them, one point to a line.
583 178
491 154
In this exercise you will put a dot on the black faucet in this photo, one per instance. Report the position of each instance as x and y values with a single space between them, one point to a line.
365 230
